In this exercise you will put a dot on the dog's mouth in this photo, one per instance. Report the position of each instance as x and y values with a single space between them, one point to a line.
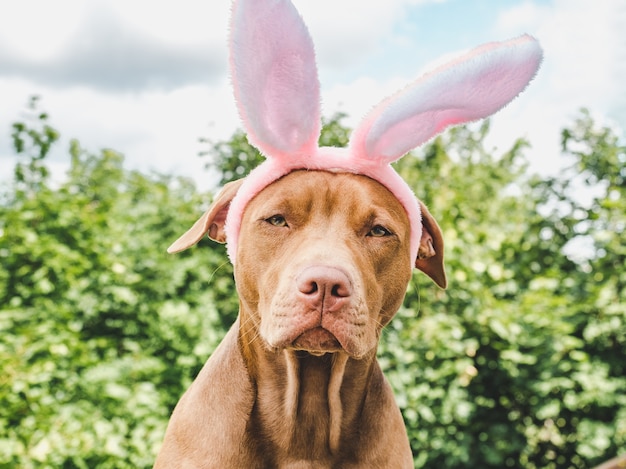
317 341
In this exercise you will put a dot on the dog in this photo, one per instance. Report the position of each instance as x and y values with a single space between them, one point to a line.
323 242
323 265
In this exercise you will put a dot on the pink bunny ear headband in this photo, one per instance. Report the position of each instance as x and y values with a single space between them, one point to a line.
278 95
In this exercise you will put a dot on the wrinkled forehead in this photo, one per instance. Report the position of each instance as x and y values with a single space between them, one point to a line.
303 191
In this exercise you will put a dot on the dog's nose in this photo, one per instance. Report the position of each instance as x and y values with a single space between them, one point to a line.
325 288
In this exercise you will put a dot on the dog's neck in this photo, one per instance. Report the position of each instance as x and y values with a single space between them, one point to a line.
307 399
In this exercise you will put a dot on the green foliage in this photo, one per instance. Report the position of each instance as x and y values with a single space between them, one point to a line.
520 363
101 330
34 143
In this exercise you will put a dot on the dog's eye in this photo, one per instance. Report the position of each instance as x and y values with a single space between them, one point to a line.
277 220
379 231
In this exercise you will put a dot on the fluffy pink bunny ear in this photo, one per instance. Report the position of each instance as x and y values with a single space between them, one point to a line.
472 87
275 77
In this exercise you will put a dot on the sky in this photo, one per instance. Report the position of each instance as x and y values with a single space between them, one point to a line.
150 78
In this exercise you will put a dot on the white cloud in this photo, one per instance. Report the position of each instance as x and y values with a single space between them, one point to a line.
184 22
521 18
133 76
583 67
346 32
37 30
103 49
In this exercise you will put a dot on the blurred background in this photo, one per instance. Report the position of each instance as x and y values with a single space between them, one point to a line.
118 125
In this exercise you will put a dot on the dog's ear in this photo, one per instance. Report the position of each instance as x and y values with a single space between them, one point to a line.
430 254
212 222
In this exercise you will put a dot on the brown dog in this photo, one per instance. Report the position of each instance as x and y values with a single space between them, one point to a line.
322 257
322 266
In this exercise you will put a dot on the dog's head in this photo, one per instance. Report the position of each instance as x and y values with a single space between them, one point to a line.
323 260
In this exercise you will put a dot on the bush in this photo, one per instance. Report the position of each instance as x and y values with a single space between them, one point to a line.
520 363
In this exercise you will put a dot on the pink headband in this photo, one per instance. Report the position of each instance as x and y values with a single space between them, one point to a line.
277 93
